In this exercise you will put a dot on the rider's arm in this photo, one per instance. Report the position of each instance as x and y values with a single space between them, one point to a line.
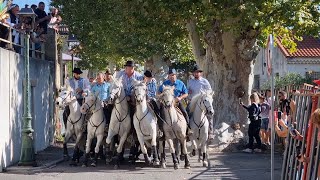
184 92
207 85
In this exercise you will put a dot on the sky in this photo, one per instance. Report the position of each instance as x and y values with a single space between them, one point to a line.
21 3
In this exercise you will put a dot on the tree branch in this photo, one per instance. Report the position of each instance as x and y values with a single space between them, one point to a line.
197 47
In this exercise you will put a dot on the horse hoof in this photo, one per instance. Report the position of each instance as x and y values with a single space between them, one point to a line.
193 152
116 167
163 165
205 164
176 166
84 165
93 164
181 157
156 163
187 166
73 163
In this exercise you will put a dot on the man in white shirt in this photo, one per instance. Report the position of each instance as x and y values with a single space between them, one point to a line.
195 86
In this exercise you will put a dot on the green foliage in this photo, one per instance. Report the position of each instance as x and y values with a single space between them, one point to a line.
287 80
112 30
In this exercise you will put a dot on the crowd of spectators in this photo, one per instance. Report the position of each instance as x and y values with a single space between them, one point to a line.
43 21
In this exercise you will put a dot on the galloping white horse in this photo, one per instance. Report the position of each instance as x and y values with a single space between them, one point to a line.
74 122
175 127
96 125
120 122
201 107
145 122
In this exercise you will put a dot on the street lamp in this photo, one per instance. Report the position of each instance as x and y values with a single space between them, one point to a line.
27 158
72 42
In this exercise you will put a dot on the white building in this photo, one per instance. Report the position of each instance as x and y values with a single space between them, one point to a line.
306 60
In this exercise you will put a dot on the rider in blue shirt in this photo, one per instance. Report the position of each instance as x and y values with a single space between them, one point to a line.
101 88
180 92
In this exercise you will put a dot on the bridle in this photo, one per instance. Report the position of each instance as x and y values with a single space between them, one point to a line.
116 96
63 99
199 105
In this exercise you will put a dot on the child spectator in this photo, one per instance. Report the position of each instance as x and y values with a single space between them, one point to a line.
255 123
55 19
265 111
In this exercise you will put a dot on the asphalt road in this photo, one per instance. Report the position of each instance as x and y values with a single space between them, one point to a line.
222 166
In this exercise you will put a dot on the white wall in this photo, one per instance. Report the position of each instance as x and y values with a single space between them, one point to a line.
11 104
282 65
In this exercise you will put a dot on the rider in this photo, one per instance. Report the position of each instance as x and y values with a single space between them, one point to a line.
180 93
151 94
101 87
195 86
128 75
79 86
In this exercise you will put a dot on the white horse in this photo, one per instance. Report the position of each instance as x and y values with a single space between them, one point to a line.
95 127
120 122
201 107
145 123
175 127
74 121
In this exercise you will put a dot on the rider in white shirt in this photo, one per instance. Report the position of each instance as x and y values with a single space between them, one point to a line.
195 86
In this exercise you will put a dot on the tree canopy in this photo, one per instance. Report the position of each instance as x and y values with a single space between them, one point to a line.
118 29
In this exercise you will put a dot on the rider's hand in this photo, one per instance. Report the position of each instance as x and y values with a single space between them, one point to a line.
178 99
78 90
84 94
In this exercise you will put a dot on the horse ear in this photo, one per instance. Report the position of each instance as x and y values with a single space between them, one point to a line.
212 93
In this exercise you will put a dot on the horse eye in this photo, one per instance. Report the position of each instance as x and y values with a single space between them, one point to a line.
65 93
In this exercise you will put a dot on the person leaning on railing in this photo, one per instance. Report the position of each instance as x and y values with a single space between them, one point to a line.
315 119
13 22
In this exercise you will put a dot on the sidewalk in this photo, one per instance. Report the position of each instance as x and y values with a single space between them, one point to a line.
45 159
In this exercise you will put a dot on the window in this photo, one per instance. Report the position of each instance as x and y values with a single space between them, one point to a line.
313 75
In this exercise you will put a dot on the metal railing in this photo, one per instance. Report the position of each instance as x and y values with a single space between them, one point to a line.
34 52
309 147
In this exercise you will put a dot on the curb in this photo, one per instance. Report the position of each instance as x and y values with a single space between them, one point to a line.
31 170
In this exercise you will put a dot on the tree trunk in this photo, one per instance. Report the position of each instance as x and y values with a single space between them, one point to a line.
228 66
158 66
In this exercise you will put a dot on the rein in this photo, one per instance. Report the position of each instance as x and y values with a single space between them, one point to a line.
202 122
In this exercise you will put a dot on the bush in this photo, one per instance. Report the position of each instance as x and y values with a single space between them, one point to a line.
293 79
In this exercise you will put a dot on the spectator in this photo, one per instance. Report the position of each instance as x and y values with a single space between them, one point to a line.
284 104
42 17
255 123
13 22
33 7
55 19
108 76
315 119
4 31
265 111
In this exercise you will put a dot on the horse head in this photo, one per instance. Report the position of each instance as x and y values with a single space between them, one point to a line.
65 97
90 103
167 96
139 90
115 90
207 99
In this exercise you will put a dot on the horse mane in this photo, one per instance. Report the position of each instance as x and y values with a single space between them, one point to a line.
194 101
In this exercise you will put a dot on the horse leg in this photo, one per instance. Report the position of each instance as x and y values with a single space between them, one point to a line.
144 149
173 154
97 149
119 149
162 153
65 149
109 145
88 146
154 149
76 152
204 153
184 152
194 145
